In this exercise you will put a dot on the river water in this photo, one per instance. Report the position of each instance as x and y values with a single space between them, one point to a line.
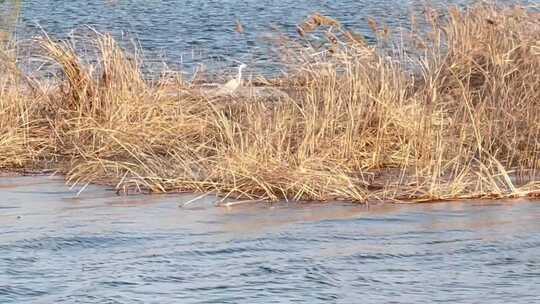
57 247
183 34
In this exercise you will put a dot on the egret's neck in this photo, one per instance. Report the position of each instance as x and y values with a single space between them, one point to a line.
240 73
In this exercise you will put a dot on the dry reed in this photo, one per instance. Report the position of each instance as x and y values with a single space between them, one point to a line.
455 119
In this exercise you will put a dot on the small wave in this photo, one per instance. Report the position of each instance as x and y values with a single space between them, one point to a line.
71 243
18 291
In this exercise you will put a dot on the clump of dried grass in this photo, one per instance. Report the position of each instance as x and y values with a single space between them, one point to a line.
22 138
358 127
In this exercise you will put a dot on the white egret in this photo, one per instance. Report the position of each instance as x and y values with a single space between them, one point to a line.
232 85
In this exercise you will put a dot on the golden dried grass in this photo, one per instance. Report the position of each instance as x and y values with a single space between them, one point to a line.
358 127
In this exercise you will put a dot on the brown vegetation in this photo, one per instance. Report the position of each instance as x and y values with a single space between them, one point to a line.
454 117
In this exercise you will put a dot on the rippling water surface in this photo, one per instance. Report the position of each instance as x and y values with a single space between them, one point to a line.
57 247
185 33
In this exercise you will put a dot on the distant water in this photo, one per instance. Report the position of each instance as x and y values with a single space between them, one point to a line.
185 33
57 247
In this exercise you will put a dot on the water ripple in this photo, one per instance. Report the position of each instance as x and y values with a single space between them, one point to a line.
159 253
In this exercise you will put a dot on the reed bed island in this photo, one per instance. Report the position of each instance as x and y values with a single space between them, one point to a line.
448 111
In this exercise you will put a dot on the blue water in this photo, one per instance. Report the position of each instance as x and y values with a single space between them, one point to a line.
57 247
183 34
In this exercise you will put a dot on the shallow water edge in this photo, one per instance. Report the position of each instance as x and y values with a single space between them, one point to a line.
98 247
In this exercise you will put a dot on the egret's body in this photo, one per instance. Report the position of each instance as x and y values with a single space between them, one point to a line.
232 85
